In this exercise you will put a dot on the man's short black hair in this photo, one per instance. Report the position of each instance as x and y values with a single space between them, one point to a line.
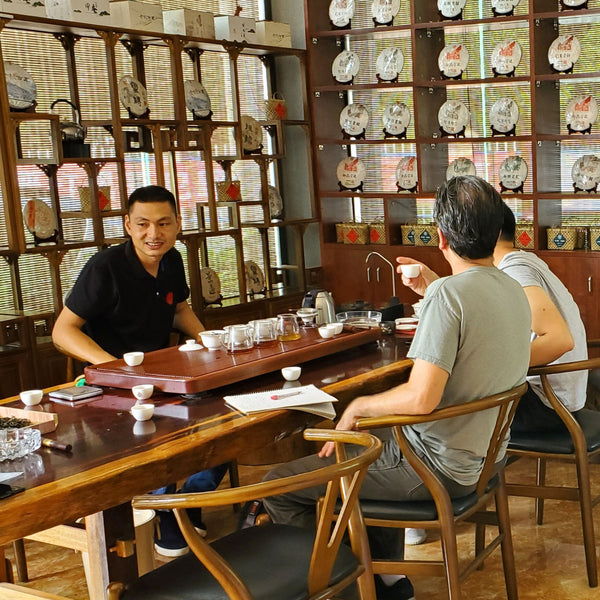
509 225
468 211
152 193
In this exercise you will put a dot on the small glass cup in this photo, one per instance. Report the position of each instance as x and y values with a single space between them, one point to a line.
264 333
238 338
288 328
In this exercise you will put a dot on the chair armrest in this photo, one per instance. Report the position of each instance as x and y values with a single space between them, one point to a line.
223 497
447 412
578 365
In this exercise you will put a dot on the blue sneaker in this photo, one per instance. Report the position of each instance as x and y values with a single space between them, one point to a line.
170 541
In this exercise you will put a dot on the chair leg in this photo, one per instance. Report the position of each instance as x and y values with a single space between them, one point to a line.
479 541
20 560
508 556
587 519
450 551
540 480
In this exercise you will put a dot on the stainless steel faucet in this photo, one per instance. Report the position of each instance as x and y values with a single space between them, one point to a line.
389 263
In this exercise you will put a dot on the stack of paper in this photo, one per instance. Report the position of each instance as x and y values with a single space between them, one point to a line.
307 398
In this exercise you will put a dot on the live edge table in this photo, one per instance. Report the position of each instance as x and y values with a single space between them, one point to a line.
115 458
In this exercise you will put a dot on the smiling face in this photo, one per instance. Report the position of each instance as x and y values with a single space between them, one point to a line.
153 227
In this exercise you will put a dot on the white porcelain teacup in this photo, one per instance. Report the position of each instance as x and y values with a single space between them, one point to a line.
411 271
291 373
31 397
142 412
143 391
133 359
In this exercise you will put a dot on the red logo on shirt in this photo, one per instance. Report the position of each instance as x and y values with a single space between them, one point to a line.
169 298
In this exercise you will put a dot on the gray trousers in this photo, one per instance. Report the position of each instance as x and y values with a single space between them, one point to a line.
390 477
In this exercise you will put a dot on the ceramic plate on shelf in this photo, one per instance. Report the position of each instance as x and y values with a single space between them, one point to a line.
351 172
574 3
251 134
275 203
211 285
453 116
396 118
345 66
406 173
384 11
586 172
340 12
504 115
40 220
354 119
450 8
513 172
460 166
453 60
581 112
196 98
255 278
389 63
564 52
504 7
133 95
506 57
20 86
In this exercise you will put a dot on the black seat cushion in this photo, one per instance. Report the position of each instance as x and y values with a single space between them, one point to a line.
423 510
272 560
560 442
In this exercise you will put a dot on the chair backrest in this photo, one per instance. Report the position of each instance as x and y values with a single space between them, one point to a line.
505 403
343 478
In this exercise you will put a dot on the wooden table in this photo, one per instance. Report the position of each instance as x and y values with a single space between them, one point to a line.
114 459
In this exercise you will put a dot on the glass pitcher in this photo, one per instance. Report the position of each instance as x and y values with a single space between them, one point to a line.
288 328
238 338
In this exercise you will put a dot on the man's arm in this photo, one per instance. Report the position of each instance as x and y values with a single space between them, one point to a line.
186 321
553 335
420 395
70 340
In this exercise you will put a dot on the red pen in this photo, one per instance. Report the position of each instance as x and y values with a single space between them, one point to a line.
285 395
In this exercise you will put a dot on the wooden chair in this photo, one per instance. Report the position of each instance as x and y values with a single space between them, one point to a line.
8 591
579 444
443 512
271 561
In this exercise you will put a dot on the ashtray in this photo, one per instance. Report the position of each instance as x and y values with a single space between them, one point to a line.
16 443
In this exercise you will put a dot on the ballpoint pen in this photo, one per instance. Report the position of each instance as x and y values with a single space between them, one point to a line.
285 395
56 445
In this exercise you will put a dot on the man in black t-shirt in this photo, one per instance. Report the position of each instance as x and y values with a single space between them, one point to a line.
129 297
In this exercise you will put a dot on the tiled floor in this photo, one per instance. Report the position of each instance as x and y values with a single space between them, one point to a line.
549 558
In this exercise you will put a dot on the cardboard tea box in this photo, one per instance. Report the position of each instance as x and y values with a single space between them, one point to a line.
272 33
235 29
82 11
194 23
137 15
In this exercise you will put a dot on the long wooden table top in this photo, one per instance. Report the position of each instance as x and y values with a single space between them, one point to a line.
173 371
115 458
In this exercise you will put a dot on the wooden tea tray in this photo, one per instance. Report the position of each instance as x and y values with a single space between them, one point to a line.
173 371
43 421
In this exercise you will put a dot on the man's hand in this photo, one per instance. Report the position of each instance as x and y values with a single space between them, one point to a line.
416 284
346 423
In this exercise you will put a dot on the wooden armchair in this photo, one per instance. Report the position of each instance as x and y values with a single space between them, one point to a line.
443 512
578 444
271 561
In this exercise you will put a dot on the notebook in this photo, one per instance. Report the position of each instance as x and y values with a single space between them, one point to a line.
307 398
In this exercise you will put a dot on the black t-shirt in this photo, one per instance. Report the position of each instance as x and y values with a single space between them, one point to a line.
124 307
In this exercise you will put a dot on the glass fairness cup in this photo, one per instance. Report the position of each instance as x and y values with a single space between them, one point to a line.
238 338
264 333
288 328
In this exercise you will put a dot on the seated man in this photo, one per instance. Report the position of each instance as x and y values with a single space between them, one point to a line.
130 297
472 341
558 333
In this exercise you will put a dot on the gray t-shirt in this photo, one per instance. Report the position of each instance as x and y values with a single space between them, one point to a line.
530 270
476 326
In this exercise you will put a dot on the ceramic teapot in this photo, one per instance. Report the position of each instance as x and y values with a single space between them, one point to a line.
71 131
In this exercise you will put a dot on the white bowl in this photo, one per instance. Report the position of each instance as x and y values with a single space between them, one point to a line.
143 391
411 270
142 412
213 338
291 373
335 327
31 397
327 332
133 359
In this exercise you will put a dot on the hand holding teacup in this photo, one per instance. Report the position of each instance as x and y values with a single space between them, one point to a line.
415 275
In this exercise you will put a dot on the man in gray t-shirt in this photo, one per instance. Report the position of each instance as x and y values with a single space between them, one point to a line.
472 341
557 333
